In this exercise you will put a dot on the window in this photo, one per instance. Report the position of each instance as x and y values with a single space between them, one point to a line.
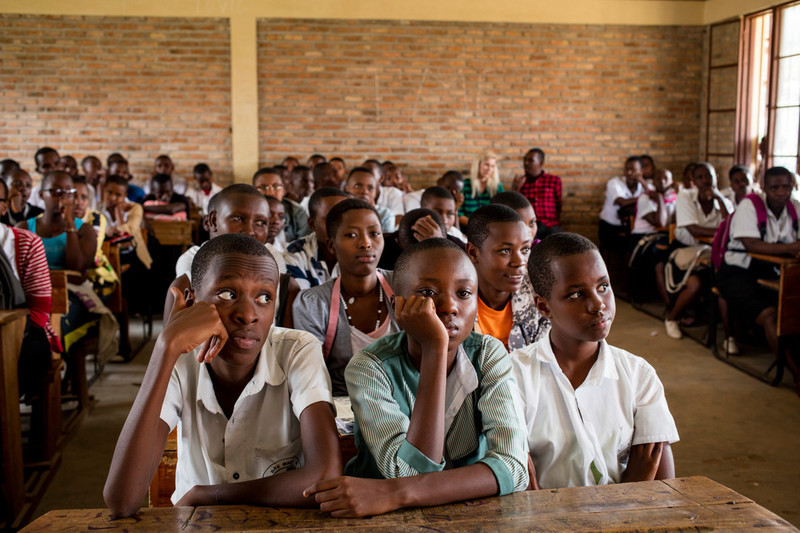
768 111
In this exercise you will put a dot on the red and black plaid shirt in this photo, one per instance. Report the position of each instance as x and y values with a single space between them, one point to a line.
544 193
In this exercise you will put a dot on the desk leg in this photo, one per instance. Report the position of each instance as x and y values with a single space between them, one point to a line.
10 427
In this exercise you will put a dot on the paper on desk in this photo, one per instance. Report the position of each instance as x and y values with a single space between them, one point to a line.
344 415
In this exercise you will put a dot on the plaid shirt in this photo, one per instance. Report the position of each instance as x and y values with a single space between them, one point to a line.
471 204
544 193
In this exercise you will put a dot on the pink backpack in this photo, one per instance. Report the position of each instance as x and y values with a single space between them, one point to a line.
722 236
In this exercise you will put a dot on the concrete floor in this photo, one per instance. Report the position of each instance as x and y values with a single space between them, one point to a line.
734 429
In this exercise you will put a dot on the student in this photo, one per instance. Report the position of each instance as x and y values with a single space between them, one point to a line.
24 252
698 213
238 208
310 260
595 414
69 165
386 196
164 203
543 190
621 195
648 168
102 275
440 200
738 277
654 209
69 244
687 182
239 373
340 169
268 181
205 187
46 160
125 225
416 226
119 167
453 181
741 184
523 207
483 183
95 177
277 221
436 419
6 166
363 184
353 310
20 188
3 200
297 187
499 244
324 176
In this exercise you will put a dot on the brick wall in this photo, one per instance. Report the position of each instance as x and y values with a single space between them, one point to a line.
429 95
96 85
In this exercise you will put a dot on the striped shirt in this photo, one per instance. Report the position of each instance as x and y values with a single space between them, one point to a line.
25 252
471 204
483 423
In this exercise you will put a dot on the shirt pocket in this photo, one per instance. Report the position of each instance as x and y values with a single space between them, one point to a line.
271 461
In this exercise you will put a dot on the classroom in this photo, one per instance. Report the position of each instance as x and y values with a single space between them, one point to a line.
491 143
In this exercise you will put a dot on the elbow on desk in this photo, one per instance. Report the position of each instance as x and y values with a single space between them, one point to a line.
120 505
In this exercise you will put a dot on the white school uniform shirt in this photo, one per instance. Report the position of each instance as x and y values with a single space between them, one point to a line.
200 199
745 224
617 188
583 436
392 199
262 436
412 200
644 206
689 212
455 232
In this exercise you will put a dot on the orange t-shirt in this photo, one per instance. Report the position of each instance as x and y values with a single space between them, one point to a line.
495 323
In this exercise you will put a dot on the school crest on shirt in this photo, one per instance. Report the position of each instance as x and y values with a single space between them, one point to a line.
282 465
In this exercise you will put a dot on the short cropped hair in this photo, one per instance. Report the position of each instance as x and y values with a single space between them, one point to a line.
744 169
648 157
336 214
267 170
9 165
512 199
5 188
536 151
779 171
162 178
201 168
478 227
116 156
363 169
404 234
227 244
115 179
403 262
452 174
540 263
42 151
435 192
634 159
322 193
339 159
90 158
230 191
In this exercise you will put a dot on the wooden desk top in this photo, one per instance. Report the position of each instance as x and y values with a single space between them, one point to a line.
694 503
779 259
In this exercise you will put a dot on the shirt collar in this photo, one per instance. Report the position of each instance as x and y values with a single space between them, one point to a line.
602 368
267 371
461 382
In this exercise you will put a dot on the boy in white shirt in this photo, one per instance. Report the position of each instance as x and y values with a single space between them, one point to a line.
252 403
594 414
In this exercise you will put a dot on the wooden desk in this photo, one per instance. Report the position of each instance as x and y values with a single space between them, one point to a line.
12 329
695 503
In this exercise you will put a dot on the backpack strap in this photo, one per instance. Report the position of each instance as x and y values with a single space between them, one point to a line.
761 213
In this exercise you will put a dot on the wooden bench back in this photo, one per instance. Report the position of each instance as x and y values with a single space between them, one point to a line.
789 300
173 232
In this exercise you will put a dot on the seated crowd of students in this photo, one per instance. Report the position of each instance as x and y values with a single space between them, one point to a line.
472 348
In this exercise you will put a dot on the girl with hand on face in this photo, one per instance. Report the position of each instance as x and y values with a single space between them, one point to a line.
351 311
483 183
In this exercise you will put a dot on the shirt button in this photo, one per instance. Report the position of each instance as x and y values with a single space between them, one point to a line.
236 475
